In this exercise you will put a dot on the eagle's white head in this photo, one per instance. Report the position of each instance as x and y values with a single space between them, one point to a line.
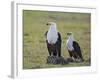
70 36
69 41
52 34
53 24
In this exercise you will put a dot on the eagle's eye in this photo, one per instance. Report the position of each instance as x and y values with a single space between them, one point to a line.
47 24
69 33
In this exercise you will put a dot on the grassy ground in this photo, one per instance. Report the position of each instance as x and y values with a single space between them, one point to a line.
34 28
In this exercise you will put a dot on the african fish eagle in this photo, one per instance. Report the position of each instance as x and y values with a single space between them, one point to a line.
73 48
53 40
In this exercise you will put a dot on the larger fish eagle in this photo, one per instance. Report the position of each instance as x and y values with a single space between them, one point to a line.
73 48
53 40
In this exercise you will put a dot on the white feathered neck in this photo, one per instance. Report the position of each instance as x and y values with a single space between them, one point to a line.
70 42
71 38
52 34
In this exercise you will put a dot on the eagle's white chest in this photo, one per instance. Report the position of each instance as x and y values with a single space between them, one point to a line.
52 35
69 44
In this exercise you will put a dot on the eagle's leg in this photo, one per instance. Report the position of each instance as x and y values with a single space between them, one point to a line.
59 53
59 50
55 53
70 53
49 49
75 56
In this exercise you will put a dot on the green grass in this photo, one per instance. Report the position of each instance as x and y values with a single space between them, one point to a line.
34 27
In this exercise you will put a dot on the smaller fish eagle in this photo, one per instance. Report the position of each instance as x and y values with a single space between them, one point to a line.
73 48
53 40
